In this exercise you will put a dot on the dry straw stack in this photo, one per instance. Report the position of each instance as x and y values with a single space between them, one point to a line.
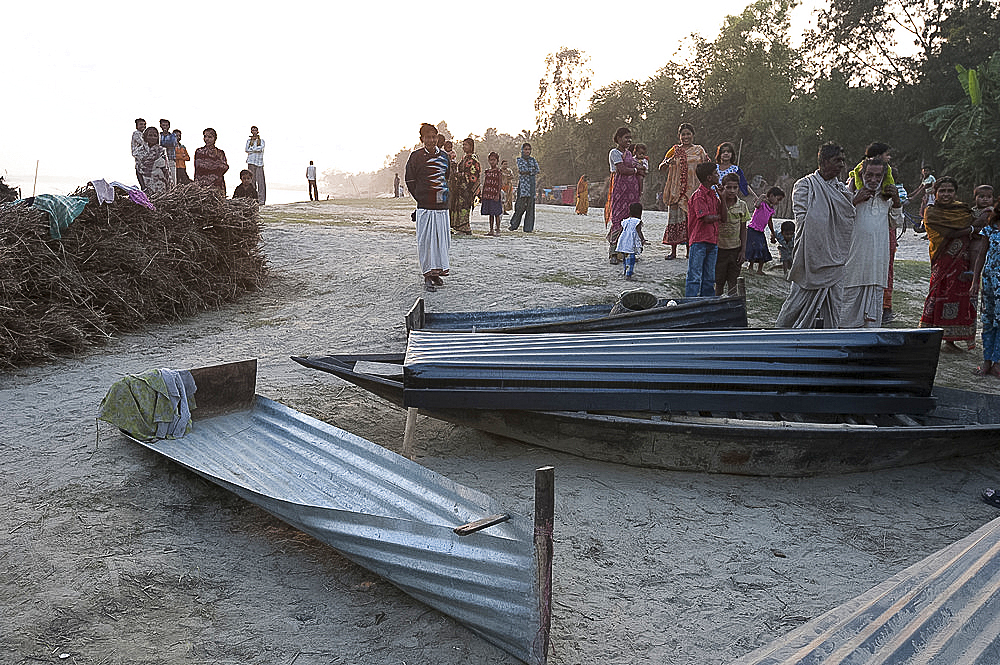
120 266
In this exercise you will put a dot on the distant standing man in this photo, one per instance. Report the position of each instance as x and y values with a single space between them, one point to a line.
395 187
527 167
824 223
182 158
138 144
169 142
426 176
311 178
255 163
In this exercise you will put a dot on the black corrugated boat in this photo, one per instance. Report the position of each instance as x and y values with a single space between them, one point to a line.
642 312
807 371
727 438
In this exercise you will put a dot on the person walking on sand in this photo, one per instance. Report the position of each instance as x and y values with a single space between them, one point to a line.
255 162
527 167
582 195
824 223
426 178
395 187
311 179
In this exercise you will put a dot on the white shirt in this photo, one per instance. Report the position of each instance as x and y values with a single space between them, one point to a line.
310 172
255 153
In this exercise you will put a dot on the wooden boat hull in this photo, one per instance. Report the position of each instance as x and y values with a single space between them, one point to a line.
380 510
686 314
787 444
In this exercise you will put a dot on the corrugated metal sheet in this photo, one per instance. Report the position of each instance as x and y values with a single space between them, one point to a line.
819 371
381 511
686 314
942 610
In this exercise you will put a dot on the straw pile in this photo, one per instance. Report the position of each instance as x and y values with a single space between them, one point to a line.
120 266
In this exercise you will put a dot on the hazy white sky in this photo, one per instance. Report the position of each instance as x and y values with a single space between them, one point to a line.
342 83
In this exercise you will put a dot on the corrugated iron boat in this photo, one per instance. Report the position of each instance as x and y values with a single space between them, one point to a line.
780 440
721 313
943 609
447 545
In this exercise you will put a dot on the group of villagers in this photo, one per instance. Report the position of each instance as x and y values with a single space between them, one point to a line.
740 239
468 181
161 159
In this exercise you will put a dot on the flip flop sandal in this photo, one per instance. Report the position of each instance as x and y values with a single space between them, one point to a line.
991 496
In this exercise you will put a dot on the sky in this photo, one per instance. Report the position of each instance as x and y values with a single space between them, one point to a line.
344 84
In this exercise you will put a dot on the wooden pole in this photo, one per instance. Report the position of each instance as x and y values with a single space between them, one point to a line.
34 185
544 514
411 424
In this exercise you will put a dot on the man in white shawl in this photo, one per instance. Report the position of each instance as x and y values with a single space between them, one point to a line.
878 209
824 223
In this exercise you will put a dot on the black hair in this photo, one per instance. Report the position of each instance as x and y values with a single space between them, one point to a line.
247 171
620 132
637 146
525 145
982 188
705 169
828 150
209 129
685 125
427 127
877 149
138 120
775 191
732 150
729 177
469 139
493 153
164 120
943 179
635 210
787 224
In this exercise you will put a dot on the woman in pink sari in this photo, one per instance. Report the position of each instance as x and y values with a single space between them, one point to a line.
626 178
682 181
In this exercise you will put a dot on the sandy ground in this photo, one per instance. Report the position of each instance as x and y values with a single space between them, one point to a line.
113 555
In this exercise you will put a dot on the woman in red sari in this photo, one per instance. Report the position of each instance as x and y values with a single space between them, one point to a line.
953 242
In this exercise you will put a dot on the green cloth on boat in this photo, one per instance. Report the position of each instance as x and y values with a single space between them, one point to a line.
143 406
62 210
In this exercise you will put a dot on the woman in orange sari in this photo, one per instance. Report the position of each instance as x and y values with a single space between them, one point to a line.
582 195
682 181
953 244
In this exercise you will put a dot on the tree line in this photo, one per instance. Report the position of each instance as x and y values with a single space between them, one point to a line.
920 75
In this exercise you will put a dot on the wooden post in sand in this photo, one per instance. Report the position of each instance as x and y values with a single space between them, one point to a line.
34 185
545 493
411 423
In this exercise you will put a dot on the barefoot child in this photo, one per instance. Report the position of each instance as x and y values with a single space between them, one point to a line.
631 239
757 251
991 294
785 238
492 186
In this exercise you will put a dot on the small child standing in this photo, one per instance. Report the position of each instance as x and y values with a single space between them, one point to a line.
732 236
631 240
757 251
785 239
490 196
